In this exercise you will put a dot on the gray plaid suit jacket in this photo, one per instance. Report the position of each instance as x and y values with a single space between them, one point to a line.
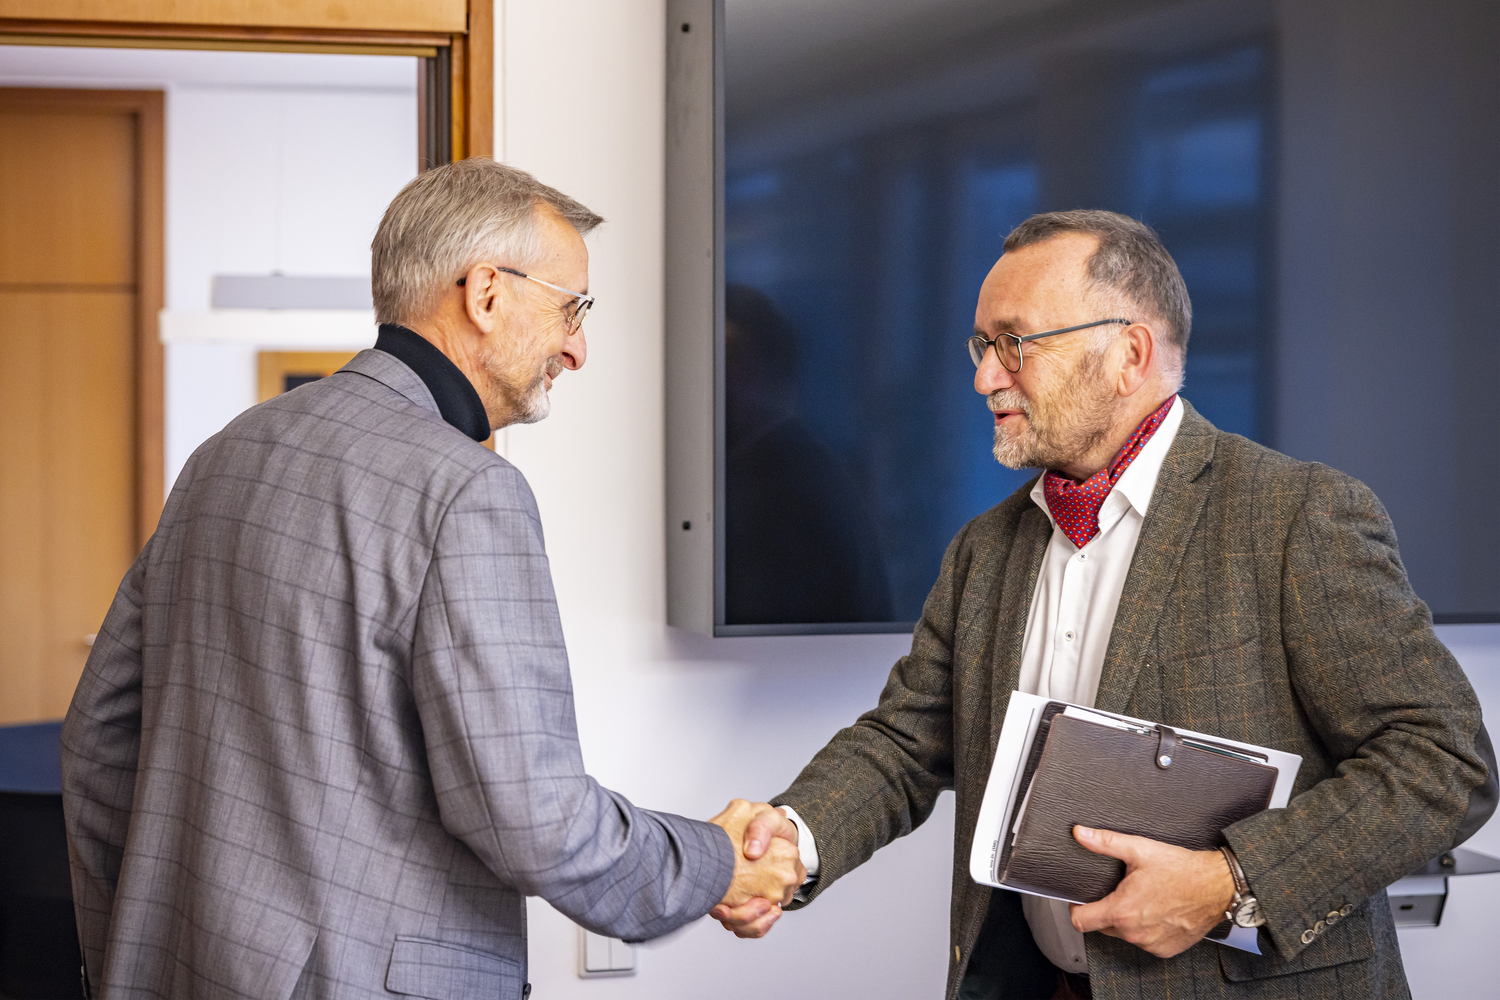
1266 602
325 740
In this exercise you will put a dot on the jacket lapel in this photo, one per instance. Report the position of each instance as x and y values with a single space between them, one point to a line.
1017 585
1176 507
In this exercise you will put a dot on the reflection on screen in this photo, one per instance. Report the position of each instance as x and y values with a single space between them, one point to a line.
800 543
862 212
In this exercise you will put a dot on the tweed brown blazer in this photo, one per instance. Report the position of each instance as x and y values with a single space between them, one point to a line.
1266 602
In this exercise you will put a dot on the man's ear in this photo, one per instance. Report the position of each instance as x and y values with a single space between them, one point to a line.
1138 342
482 297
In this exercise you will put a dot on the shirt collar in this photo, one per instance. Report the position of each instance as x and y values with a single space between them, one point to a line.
1137 483
457 401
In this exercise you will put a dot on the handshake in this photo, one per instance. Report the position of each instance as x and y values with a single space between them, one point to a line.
767 867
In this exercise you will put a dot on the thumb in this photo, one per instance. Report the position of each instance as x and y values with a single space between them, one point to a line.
1116 845
769 822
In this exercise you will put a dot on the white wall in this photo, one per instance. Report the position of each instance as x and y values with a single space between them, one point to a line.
280 179
680 722
675 721
263 180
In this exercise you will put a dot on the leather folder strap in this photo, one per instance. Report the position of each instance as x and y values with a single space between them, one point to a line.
1167 745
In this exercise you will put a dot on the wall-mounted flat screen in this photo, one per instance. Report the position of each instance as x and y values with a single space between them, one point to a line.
1324 182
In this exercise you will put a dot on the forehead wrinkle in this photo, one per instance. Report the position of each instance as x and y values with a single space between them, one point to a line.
1003 325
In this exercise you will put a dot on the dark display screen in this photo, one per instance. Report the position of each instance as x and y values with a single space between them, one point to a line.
853 267
872 171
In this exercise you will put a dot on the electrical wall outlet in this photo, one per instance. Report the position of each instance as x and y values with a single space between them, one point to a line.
600 956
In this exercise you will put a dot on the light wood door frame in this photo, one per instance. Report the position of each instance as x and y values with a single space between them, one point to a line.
146 107
388 28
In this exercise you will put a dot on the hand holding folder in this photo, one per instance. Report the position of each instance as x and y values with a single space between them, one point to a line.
1059 765
1103 773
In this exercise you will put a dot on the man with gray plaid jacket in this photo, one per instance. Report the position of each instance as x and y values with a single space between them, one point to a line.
1162 569
324 745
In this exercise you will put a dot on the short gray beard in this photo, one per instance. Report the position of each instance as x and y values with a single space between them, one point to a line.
528 404
1064 424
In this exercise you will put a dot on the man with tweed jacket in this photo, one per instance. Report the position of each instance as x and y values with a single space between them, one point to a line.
325 744
1162 569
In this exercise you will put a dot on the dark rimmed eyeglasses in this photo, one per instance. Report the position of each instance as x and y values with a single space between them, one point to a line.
1008 346
575 310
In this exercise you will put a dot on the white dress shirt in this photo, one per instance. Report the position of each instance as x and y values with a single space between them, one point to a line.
1067 633
1068 627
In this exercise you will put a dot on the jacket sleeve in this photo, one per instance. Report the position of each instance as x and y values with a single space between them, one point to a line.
101 743
880 778
1385 697
493 692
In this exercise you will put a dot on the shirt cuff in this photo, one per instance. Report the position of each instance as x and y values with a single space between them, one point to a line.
807 846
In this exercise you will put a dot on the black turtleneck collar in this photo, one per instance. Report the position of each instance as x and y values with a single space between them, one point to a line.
456 399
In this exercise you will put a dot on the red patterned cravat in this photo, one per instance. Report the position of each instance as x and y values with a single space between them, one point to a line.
1075 506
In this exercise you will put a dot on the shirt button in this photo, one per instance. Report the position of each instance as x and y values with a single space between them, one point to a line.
1082 556
1068 635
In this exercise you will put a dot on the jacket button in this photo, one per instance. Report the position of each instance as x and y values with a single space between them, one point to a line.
1334 916
1307 937
1319 927
1346 909
955 954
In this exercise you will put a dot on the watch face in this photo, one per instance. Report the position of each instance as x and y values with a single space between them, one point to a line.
1247 913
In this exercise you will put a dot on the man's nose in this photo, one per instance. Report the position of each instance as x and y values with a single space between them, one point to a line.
991 375
574 350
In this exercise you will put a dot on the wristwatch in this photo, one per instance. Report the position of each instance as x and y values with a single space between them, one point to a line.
1244 910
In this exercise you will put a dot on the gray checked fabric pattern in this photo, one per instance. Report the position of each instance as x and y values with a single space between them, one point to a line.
1266 602
325 743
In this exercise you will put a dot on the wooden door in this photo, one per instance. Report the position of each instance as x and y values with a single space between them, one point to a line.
69 387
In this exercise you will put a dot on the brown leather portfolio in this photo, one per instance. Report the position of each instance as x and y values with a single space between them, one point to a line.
1149 782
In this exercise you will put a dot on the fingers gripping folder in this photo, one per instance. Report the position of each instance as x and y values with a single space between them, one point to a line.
1058 765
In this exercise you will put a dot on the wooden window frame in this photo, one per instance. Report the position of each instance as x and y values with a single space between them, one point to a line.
466 117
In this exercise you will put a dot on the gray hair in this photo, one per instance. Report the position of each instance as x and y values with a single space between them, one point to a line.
452 217
1131 264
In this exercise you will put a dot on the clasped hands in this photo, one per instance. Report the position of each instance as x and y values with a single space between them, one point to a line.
767 867
1169 899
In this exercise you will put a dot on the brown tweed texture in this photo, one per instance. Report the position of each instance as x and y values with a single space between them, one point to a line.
1266 602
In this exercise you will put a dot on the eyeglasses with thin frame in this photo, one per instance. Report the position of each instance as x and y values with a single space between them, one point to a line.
1008 346
575 310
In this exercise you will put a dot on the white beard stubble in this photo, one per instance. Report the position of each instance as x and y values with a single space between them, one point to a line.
525 393
1062 422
